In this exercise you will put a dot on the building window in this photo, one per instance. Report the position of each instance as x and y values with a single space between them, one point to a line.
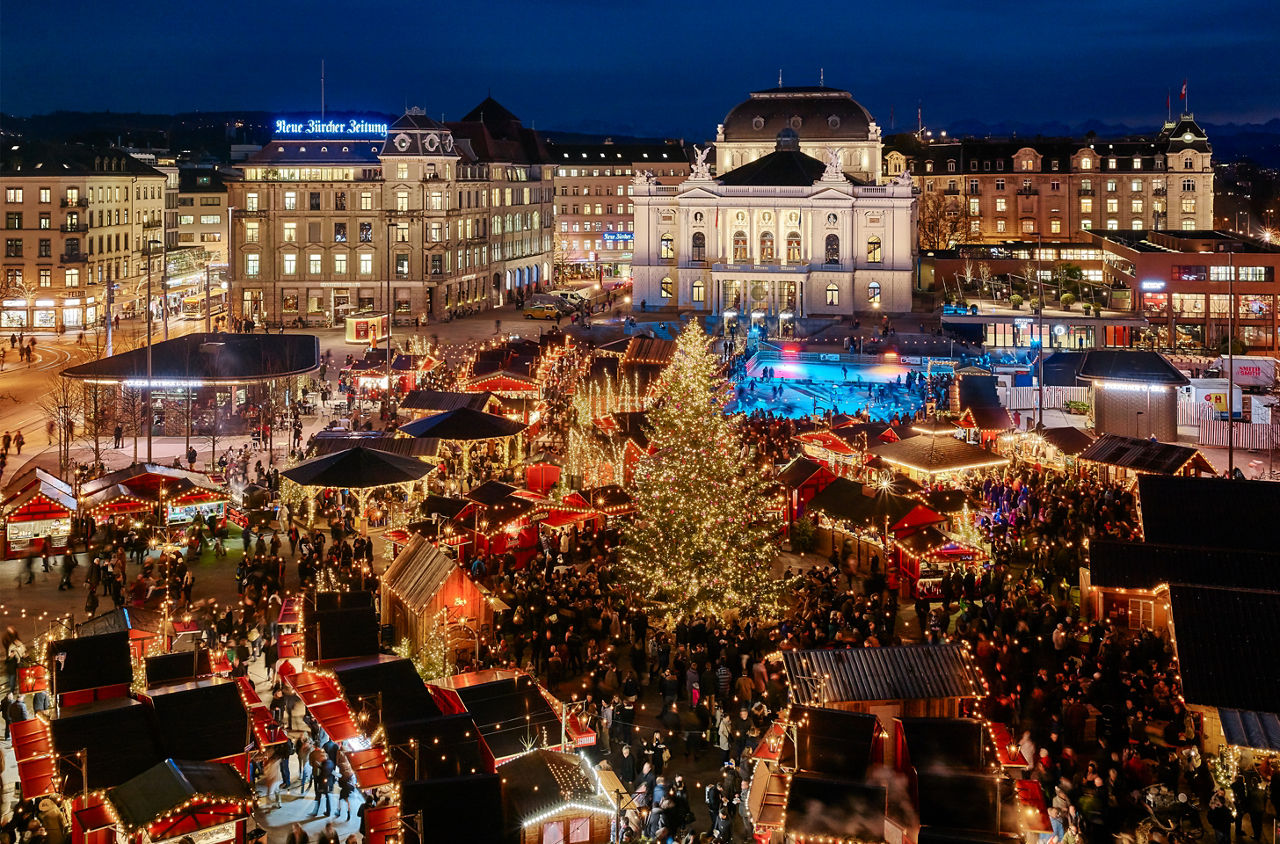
366 201
402 232
666 248
974 207
833 295
1028 226
999 184
698 248
44 249
951 165
46 277
699 290
1086 205
290 232
1188 164
402 170
1113 225
210 219
1189 205
873 293
339 232
340 263
1136 224
553 833
402 200
1086 163
71 278
875 252
1055 226
366 263
250 265
793 247
366 232
1000 225
251 232
833 249
290 201
1188 225
766 246
13 220
740 247
975 226
1188 185
664 287
1111 185
1002 204
1113 205
313 200
290 264
13 194
436 263
13 247
402 265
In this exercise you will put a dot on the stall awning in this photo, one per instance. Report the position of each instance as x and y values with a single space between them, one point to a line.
324 700
33 748
370 767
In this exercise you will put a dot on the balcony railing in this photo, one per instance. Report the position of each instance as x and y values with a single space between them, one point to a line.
82 202
1085 191
1028 192
951 192
74 227
152 224
74 257
1159 192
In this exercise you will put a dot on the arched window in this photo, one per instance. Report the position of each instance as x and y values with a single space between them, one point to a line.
1188 164
664 288
833 294
833 249
874 252
766 246
740 247
873 294
698 250
699 290
793 247
668 248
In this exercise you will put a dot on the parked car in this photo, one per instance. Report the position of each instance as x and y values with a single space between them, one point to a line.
542 310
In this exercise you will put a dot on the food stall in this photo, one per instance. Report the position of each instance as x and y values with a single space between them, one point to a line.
40 508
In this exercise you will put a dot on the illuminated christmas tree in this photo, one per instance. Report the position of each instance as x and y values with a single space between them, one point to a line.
702 541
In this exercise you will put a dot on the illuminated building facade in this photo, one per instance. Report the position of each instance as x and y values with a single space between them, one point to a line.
594 209
1002 189
77 222
439 217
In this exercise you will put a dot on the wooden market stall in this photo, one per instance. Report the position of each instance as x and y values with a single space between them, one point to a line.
556 797
425 590
37 512
1123 459
163 495
208 802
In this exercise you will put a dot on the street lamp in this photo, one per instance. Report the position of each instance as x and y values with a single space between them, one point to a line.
150 305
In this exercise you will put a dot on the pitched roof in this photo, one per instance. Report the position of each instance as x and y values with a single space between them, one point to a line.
510 713
393 682
118 738
830 808
441 401
170 785
1140 455
358 468
1223 511
834 742
780 168
215 705
1227 641
642 350
1115 564
937 453
798 471
490 492
1251 729
545 779
49 160
389 443
1068 438
461 424
418 572
898 672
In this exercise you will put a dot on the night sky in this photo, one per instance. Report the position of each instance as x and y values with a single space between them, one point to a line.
648 68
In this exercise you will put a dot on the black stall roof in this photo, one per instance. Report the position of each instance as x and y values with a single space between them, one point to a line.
391 682
462 424
966 800
344 633
1130 365
178 667
454 741
208 358
1115 564
833 742
204 720
945 742
440 801
358 468
510 712
798 471
1228 641
170 784
117 736
898 672
90 662
1068 438
1143 456
823 806
440 401
543 780
1210 511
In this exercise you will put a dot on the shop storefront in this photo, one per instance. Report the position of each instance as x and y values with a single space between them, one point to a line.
47 314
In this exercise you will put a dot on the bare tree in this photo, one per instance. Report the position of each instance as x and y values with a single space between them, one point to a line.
61 404
984 274
130 412
939 222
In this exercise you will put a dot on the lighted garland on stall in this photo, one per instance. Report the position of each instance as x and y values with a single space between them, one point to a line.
431 661
700 544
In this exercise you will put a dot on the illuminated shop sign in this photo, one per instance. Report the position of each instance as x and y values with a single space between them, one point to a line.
1153 285
617 237
330 127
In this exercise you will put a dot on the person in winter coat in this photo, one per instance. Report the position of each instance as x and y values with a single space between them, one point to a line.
627 766
53 821
271 778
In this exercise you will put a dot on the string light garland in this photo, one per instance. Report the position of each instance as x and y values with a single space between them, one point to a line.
700 543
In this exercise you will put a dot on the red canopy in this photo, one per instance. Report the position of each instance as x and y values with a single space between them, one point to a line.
323 698
33 748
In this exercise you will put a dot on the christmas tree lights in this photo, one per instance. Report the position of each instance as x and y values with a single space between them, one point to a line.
701 543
